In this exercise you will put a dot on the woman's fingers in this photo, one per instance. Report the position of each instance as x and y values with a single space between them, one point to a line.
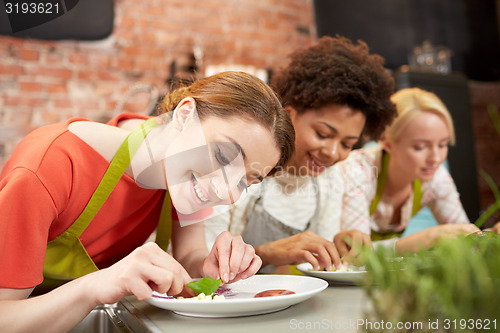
232 256
247 259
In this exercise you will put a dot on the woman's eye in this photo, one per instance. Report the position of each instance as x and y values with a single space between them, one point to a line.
418 148
221 158
346 146
321 136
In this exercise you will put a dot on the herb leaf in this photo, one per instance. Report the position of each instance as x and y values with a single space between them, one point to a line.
205 285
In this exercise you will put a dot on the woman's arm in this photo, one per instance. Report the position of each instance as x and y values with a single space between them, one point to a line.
146 269
427 238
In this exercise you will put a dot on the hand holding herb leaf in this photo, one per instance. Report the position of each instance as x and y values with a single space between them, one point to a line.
205 285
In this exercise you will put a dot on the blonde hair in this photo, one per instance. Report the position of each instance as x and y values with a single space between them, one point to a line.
238 94
409 103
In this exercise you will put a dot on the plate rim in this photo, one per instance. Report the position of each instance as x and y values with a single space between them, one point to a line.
272 304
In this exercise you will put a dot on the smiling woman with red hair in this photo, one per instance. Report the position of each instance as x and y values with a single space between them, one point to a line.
80 198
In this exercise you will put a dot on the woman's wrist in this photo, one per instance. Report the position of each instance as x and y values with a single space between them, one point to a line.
262 251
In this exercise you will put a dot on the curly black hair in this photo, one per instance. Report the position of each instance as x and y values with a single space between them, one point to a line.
336 71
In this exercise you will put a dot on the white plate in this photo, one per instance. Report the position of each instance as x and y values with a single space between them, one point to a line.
240 299
355 277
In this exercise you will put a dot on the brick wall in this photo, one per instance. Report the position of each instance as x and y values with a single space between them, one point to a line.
42 82
487 140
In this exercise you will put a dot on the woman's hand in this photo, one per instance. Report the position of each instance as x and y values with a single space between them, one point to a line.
349 244
148 268
304 247
231 259
427 238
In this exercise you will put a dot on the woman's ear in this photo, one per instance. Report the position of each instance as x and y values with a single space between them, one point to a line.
385 143
185 111
291 112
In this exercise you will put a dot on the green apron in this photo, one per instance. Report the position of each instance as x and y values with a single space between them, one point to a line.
381 180
66 258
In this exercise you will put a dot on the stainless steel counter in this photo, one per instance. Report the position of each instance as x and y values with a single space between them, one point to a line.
337 308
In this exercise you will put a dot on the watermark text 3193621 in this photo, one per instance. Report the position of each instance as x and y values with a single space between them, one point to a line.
25 14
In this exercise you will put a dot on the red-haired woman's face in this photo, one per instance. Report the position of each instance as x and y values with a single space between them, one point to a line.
205 163
236 154
323 137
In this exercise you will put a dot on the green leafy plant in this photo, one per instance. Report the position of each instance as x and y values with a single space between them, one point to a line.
204 285
495 119
455 287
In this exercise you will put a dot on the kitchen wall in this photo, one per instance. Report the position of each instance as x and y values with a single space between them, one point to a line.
42 82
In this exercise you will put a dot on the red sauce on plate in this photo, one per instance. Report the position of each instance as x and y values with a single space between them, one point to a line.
274 292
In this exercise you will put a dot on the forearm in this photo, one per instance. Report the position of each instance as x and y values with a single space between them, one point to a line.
265 254
193 262
48 312
424 239
427 238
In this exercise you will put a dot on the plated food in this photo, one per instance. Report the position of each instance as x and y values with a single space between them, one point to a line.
239 297
347 275
274 292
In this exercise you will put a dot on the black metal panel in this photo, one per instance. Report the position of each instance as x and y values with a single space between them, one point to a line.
393 27
67 19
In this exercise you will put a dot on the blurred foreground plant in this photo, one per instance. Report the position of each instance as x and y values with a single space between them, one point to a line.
456 285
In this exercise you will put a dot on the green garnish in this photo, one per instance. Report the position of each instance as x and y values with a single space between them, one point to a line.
205 285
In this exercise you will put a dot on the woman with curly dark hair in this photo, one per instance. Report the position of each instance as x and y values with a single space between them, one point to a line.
336 93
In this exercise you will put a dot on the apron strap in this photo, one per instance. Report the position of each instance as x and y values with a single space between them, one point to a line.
417 197
382 179
164 229
113 174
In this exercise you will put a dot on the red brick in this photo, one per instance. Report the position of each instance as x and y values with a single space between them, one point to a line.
132 50
28 55
123 64
29 86
54 72
88 75
11 69
22 100
107 76
55 88
78 58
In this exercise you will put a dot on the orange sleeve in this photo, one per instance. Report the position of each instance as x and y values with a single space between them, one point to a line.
27 213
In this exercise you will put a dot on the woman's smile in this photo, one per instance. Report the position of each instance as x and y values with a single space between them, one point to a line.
198 192
317 165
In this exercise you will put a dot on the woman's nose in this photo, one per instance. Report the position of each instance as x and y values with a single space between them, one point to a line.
330 151
226 186
434 155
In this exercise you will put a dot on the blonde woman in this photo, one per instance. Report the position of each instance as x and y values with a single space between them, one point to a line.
387 185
